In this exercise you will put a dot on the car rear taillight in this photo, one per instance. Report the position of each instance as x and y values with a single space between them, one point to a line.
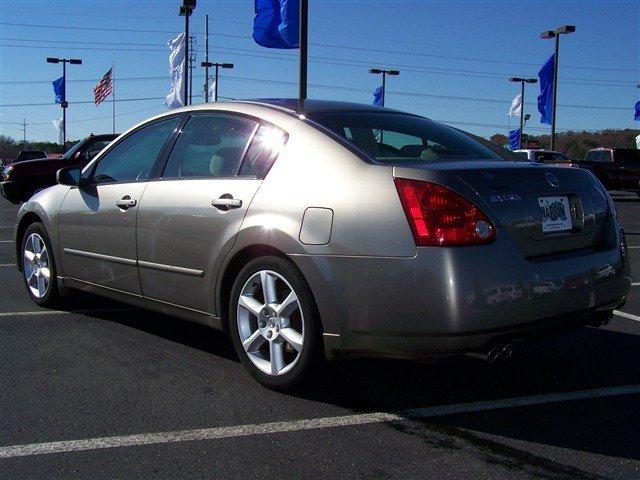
439 216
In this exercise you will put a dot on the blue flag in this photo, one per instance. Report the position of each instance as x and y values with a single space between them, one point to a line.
377 97
58 89
277 23
637 115
514 139
545 99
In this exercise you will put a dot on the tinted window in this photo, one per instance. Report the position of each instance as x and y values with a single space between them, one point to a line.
265 146
626 155
598 157
132 158
551 157
209 146
400 138
606 156
590 156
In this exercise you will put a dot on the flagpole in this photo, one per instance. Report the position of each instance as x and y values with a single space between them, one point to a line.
113 97
304 20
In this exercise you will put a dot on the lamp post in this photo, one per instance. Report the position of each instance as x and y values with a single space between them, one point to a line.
217 65
384 73
522 82
63 101
555 34
187 8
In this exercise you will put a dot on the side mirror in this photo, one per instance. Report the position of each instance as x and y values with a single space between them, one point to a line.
69 176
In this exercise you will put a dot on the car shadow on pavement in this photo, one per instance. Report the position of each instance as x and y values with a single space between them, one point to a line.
585 359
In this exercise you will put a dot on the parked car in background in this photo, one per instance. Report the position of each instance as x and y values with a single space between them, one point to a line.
546 156
616 168
20 180
29 155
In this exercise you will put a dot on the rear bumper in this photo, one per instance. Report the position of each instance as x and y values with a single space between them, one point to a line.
10 190
456 300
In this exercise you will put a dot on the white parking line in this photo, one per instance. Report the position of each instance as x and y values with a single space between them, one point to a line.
626 315
41 313
635 246
6 241
67 446
7 264
635 284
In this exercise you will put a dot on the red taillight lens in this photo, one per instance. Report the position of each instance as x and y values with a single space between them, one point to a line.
441 217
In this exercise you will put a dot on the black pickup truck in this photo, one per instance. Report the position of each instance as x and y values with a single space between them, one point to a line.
616 168
22 179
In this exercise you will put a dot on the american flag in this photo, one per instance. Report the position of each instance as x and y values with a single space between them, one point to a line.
103 88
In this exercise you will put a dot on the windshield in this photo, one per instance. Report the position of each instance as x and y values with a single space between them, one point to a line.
69 153
397 137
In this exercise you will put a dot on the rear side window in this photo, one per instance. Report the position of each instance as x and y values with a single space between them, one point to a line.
210 145
606 156
264 148
392 138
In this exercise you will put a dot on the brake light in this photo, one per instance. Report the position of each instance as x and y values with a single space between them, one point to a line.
439 216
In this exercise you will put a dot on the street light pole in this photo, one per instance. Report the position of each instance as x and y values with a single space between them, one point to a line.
63 100
217 65
555 34
522 82
384 73
185 10
206 58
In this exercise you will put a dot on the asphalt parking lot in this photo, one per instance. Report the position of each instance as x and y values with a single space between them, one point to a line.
106 391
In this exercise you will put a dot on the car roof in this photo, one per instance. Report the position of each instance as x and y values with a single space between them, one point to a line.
319 106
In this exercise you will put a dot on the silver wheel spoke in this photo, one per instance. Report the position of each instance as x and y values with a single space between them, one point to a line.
45 273
293 338
29 255
250 304
276 355
42 286
268 287
37 246
254 341
288 306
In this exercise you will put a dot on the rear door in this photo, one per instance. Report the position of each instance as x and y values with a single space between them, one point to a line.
97 221
189 217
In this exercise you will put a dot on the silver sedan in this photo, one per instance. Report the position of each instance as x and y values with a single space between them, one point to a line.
345 230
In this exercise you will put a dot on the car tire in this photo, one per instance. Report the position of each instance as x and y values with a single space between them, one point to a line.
38 266
278 341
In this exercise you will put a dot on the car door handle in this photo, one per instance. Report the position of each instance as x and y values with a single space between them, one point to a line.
226 202
126 202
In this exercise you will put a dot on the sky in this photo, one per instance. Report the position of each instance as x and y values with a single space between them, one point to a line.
454 58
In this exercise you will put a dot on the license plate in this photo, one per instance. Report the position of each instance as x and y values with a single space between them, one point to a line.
556 215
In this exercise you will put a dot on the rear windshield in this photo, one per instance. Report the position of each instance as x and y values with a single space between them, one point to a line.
398 138
551 157
626 155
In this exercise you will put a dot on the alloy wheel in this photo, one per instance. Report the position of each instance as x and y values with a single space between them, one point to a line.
270 322
36 265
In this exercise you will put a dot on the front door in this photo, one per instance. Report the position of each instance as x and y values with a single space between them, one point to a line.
189 218
97 220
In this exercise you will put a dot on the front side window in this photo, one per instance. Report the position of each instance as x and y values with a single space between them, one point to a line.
606 156
210 145
399 138
132 158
